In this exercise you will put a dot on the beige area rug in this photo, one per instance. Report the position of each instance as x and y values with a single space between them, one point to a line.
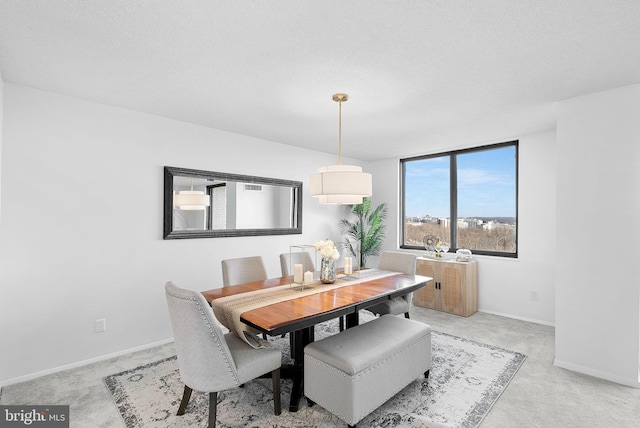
465 381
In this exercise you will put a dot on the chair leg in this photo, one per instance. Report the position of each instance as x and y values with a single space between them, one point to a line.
213 405
406 315
186 395
275 377
426 374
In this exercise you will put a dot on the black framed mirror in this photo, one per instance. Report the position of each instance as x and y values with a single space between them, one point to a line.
207 204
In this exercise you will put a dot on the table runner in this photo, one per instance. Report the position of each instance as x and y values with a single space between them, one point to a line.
229 309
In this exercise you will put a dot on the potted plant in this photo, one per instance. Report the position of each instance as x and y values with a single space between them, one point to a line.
368 229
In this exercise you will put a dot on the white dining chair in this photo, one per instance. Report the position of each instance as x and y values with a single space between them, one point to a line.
210 361
242 270
397 262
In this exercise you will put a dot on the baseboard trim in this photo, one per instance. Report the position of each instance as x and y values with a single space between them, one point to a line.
36 375
597 373
550 324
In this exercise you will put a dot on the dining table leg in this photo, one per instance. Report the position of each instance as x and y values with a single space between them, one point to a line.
353 319
301 339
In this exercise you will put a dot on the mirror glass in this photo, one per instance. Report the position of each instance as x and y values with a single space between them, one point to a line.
207 204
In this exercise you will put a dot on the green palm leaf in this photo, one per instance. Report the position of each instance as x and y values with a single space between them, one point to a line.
367 229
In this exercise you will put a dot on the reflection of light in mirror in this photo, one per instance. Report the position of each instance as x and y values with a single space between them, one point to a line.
191 200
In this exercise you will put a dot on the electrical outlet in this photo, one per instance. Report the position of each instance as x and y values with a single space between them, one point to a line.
100 325
533 295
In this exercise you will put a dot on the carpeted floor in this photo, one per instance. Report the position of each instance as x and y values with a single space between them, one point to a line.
466 379
540 395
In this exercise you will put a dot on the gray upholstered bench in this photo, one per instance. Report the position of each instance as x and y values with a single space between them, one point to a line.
356 371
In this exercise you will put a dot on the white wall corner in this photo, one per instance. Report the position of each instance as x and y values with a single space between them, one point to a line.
597 293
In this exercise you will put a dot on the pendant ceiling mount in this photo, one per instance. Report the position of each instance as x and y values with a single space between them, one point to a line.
340 97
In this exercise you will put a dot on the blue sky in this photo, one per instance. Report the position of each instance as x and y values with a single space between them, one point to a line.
486 185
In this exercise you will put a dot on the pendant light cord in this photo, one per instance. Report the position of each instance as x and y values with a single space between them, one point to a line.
340 132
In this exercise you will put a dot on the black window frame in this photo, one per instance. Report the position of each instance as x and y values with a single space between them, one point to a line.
453 196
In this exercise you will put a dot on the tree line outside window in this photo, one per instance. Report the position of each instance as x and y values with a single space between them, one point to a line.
464 198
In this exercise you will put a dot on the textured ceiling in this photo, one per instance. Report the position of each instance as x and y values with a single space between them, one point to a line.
416 71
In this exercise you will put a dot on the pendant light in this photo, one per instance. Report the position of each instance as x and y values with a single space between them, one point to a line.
191 200
340 184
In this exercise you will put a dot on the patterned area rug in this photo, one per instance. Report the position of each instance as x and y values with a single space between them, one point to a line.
465 381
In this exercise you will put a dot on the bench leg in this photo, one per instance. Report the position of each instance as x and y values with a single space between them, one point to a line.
406 315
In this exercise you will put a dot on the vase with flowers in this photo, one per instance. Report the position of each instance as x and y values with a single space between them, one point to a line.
329 254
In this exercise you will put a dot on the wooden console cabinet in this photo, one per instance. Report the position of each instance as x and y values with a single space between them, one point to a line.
454 288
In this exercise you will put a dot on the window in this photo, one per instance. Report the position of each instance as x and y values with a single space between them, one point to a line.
466 198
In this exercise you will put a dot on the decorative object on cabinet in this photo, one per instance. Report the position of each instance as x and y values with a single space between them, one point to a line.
430 242
441 248
463 255
454 288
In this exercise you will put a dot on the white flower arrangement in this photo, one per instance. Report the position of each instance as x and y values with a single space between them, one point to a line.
327 249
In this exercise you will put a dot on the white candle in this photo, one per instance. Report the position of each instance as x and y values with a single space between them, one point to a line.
308 277
347 265
297 273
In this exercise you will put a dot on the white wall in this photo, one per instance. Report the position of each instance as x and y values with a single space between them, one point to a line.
504 285
81 231
247 200
1 121
597 281
81 228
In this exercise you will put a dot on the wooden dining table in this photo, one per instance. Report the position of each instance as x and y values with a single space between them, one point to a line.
298 316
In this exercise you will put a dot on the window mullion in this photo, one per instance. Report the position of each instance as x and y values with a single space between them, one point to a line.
453 176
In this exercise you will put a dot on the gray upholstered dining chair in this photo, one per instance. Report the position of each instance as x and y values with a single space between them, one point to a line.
296 257
243 269
210 361
397 262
